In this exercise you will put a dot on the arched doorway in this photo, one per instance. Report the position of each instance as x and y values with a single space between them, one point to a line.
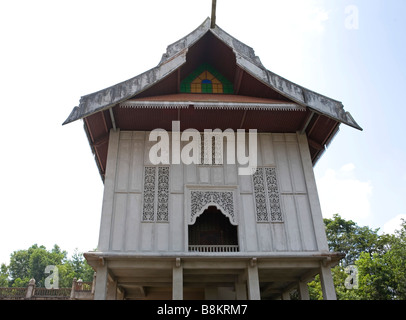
213 232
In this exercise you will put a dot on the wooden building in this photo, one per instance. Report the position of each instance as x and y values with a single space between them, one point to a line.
202 230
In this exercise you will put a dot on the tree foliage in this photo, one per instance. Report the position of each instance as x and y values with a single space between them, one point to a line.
379 260
31 263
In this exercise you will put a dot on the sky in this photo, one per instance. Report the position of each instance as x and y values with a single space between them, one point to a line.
54 52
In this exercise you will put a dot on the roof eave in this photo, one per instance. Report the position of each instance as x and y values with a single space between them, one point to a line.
110 96
305 97
174 57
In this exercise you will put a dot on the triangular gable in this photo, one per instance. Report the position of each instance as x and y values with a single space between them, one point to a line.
206 79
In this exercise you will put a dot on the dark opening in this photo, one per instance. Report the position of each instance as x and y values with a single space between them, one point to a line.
212 228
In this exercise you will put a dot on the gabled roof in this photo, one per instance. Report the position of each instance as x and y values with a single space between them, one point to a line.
175 57
257 98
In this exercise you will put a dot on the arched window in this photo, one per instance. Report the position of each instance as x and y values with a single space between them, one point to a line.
213 232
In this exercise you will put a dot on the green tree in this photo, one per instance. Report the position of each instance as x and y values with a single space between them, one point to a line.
31 263
19 265
40 258
76 267
380 262
4 275
81 268
383 275
349 238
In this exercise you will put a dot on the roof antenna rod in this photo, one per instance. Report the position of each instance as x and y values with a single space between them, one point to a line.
213 14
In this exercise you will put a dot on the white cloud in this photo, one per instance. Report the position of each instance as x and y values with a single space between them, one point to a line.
340 192
316 18
304 17
393 224
347 167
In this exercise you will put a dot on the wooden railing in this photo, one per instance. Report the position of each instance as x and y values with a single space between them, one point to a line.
213 248
58 294
13 293
83 286
79 291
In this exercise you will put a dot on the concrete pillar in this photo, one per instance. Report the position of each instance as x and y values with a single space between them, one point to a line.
120 293
286 295
253 281
100 292
112 290
72 292
327 284
30 289
240 291
303 290
94 282
177 281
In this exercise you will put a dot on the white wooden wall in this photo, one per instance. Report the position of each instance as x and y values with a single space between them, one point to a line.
122 228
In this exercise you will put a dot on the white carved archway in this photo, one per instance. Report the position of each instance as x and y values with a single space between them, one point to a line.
200 199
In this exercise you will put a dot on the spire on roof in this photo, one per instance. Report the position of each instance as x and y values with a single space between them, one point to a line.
213 14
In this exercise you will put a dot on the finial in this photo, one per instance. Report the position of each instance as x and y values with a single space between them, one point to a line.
213 14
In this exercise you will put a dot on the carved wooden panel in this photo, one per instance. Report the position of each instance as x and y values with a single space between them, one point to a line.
156 189
266 195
